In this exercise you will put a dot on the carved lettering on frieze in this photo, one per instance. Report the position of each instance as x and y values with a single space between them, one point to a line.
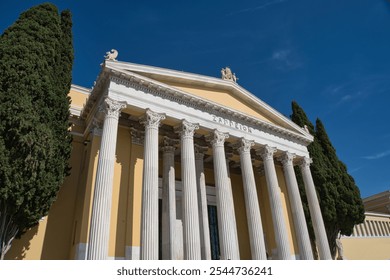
232 124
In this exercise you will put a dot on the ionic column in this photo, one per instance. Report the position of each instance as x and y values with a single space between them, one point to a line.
191 235
281 235
149 218
168 200
315 211
300 226
226 226
256 236
202 203
99 234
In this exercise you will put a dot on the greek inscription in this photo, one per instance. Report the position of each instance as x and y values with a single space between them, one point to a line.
232 124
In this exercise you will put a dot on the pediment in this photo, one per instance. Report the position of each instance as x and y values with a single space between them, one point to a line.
226 94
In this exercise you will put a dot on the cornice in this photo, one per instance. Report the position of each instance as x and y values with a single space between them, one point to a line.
139 82
202 80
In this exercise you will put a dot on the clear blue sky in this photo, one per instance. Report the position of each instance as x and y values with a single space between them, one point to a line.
331 56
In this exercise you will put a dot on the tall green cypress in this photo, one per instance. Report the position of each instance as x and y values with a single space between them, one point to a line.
349 206
326 192
339 197
36 57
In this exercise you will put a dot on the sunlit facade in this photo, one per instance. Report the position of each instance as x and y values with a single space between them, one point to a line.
175 165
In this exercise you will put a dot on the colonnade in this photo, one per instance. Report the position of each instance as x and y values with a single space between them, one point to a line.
196 240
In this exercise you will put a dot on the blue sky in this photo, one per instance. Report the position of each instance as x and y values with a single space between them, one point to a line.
331 56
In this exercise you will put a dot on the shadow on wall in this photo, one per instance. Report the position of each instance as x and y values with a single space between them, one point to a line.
22 245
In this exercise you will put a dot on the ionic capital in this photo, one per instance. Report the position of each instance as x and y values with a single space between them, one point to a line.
186 129
169 145
199 151
287 159
260 170
266 153
217 138
244 145
112 108
96 127
137 136
152 119
305 162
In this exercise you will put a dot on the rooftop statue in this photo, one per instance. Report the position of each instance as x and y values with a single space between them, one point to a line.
228 75
111 55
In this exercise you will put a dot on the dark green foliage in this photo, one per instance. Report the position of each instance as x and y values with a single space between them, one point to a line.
339 197
36 57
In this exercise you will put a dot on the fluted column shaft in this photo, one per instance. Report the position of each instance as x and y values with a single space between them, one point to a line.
280 228
256 236
225 208
149 218
202 204
300 226
315 211
101 208
168 201
191 235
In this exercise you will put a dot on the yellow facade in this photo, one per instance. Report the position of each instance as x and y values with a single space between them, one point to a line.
64 233
369 240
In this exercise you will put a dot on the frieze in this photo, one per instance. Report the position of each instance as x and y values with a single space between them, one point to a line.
232 123
194 102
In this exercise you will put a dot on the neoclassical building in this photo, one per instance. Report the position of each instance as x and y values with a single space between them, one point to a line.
174 165
370 240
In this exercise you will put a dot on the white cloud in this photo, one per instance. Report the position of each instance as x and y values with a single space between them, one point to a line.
285 60
378 156
260 7
281 54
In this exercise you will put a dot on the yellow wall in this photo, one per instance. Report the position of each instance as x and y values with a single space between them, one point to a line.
119 195
134 196
288 217
85 192
241 218
53 236
221 97
77 98
266 216
374 248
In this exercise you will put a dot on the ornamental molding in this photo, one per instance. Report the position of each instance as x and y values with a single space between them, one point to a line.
186 129
137 136
97 127
244 145
168 145
152 119
221 114
217 138
287 159
305 162
112 108
200 151
266 153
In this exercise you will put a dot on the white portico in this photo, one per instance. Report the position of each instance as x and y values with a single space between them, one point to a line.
196 123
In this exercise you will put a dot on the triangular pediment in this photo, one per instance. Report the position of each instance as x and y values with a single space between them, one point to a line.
227 94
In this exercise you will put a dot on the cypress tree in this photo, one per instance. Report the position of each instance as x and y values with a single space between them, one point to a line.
339 197
349 206
36 57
